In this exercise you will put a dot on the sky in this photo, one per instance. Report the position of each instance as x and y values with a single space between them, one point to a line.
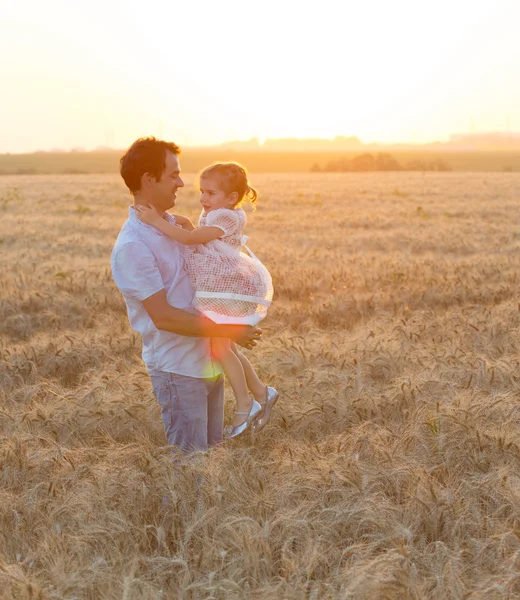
201 72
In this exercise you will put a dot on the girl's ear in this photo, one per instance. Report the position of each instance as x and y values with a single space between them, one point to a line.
233 198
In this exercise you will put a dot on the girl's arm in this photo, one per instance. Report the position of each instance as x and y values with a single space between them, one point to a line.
201 235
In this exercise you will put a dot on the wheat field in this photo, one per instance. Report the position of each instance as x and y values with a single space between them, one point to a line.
391 466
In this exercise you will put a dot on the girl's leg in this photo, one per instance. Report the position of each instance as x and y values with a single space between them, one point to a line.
255 386
234 371
265 395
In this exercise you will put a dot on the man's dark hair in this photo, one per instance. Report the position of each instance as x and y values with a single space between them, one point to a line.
145 155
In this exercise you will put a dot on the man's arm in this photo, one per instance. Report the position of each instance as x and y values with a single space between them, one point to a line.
168 318
137 275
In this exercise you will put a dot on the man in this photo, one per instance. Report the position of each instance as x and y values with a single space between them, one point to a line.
149 270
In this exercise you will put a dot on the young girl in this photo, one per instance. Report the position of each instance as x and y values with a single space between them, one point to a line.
231 286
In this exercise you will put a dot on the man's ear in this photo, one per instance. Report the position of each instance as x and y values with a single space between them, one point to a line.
146 180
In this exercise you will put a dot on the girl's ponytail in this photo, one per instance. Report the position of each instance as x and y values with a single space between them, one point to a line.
252 195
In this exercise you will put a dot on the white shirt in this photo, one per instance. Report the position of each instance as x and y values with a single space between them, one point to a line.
144 262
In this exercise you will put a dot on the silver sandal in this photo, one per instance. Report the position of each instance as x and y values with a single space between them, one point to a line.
271 398
233 431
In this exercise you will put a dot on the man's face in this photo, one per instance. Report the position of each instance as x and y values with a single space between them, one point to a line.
212 196
163 192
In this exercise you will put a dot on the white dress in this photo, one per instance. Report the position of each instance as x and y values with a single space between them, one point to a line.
230 285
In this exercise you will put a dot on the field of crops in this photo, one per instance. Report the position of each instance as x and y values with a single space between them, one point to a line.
391 466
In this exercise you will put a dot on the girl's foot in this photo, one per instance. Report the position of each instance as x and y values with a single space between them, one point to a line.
271 398
233 431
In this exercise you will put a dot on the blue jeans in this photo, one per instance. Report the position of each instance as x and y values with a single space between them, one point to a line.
192 409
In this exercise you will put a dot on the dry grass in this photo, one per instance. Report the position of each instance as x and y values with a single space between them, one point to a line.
391 467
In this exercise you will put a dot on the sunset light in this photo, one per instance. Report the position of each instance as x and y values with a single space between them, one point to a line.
201 72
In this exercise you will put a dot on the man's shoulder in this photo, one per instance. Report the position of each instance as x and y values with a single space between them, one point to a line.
128 244
128 235
134 243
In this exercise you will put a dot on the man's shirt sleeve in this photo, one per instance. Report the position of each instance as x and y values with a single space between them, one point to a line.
135 271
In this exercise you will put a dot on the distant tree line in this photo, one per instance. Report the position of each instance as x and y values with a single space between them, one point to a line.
380 162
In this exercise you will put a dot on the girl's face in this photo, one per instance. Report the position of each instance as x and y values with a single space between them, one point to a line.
212 196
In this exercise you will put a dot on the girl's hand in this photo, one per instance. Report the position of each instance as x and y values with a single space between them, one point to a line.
148 214
180 220
184 222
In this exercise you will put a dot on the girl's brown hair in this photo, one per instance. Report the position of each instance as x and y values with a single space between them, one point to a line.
234 179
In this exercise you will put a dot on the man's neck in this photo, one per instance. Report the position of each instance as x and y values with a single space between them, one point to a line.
139 199
144 201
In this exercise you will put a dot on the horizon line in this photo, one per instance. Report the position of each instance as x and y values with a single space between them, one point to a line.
353 142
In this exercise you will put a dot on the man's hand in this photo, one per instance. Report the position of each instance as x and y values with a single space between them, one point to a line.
244 335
